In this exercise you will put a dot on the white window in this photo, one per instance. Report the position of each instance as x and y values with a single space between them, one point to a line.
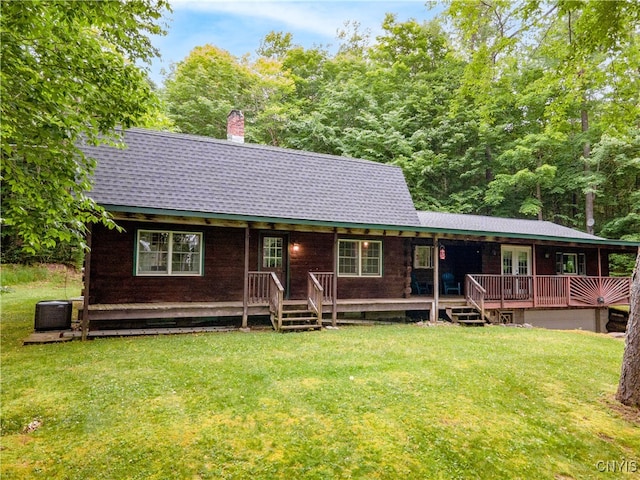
423 256
272 252
571 264
359 258
168 253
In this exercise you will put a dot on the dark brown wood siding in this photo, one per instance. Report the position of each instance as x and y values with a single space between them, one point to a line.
395 252
491 258
113 279
315 254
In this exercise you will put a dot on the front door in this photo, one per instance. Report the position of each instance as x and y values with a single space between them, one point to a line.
516 262
274 258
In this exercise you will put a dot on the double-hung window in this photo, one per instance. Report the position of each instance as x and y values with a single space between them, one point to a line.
168 253
571 264
423 256
359 258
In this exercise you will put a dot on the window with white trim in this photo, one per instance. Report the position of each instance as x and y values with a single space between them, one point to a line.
571 263
423 256
168 253
272 252
359 258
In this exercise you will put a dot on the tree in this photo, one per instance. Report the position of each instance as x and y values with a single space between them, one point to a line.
629 386
588 88
202 89
69 73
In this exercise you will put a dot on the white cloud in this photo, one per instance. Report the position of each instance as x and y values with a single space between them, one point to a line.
321 18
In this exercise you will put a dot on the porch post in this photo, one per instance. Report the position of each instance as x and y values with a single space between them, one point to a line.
334 285
245 290
85 293
599 263
436 279
534 272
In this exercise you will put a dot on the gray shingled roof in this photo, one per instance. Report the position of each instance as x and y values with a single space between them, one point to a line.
171 172
496 226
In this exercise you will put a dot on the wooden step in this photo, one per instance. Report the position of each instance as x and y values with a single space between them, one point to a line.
300 319
307 326
465 315
478 323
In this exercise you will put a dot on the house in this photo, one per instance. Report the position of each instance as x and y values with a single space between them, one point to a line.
215 229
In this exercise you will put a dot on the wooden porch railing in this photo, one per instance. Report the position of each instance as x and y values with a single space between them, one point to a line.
327 281
475 294
315 295
265 287
522 291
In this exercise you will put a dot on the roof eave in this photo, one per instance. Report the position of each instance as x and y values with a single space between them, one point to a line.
253 218
525 236
404 228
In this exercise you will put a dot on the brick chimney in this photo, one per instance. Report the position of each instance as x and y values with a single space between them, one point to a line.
235 126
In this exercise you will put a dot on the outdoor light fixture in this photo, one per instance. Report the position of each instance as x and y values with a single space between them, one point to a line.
296 247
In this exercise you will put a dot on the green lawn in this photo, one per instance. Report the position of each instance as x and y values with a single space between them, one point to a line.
361 402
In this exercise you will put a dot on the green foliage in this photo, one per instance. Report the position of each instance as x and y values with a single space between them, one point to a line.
68 74
51 274
201 90
66 253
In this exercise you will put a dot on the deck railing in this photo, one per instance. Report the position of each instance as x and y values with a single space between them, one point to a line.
276 301
259 287
328 282
550 290
265 287
315 294
475 294
325 279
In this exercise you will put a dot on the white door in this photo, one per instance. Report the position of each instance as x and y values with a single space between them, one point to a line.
516 261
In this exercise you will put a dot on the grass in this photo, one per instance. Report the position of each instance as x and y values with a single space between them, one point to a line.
362 402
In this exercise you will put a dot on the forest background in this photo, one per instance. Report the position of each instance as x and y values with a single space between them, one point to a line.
516 109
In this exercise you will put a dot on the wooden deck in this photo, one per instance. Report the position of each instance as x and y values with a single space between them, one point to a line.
546 291
265 299
141 311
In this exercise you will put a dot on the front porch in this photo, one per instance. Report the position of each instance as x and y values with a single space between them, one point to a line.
265 298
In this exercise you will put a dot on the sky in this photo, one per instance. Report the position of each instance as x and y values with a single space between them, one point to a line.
238 26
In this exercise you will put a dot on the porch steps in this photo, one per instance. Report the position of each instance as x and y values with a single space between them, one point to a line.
296 319
465 316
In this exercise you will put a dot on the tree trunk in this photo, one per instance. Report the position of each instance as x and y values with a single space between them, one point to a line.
629 386
586 153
